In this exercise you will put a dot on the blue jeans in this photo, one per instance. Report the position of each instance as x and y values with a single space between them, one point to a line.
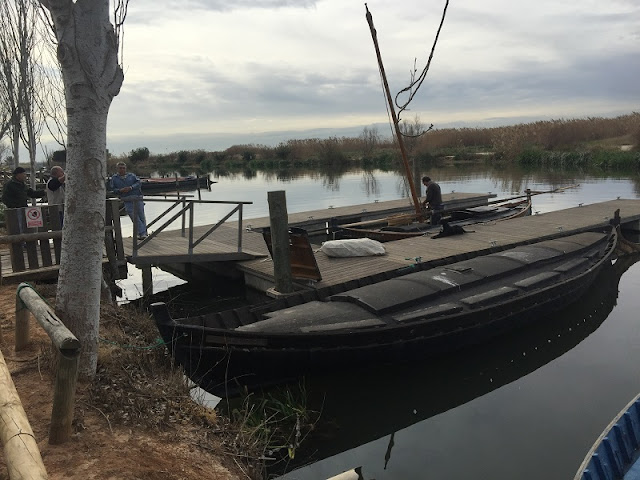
141 220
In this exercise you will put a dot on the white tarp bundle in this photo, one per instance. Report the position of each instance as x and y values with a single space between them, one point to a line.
353 247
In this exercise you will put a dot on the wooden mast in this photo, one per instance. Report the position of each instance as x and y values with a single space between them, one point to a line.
403 150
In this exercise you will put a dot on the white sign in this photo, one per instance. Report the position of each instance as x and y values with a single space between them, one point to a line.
34 217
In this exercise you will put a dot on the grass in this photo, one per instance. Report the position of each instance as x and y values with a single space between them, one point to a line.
274 423
138 385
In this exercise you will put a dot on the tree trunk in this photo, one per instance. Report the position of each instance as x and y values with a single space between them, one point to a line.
87 52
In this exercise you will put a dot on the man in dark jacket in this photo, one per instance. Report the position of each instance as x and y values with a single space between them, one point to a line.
433 199
16 192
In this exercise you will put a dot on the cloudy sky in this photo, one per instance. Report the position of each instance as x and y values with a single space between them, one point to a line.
212 73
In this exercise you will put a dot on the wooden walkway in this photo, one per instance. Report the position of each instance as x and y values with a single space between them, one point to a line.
221 245
258 268
482 239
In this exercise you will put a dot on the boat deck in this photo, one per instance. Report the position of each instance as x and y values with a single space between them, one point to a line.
255 264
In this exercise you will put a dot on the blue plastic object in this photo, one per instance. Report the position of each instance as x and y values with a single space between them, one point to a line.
615 454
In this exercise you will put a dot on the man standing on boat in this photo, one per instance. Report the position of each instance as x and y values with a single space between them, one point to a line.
433 199
128 188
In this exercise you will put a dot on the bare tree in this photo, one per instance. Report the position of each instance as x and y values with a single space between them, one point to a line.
11 22
88 46
370 139
4 150
50 98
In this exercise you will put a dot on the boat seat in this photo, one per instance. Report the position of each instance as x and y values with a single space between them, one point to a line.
530 253
491 296
538 281
389 295
488 265
572 265
366 323
442 279
573 242
310 314
428 313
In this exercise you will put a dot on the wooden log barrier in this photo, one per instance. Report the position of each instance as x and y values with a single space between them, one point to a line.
68 349
21 451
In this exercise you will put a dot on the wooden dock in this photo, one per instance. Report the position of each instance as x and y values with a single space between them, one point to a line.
220 256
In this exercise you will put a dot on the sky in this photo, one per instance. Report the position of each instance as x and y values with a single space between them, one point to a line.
213 73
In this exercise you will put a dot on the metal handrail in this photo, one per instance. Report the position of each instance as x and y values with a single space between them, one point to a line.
186 209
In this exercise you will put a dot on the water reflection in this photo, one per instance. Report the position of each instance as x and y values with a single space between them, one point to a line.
368 405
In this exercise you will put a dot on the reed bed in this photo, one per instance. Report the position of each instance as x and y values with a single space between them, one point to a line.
592 141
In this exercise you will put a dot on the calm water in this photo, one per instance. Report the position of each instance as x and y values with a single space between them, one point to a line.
526 406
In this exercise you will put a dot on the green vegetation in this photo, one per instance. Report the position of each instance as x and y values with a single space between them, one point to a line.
595 142
274 424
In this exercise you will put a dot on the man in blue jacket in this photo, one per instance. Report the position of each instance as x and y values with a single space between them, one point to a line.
128 188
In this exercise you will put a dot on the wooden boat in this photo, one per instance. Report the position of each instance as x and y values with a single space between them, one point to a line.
422 313
170 184
616 453
462 218
344 398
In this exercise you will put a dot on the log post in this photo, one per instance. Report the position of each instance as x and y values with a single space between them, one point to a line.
64 397
21 451
147 283
279 221
22 323
68 348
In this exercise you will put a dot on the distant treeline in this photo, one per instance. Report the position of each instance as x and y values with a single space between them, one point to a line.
602 142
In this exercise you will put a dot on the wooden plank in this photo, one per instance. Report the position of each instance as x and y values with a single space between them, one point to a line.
56 225
32 255
113 204
45 247
13 227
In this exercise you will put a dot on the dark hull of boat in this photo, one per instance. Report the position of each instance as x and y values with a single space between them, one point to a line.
150 185
391 321
408 394
462 218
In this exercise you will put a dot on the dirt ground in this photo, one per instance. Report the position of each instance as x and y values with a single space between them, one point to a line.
103 446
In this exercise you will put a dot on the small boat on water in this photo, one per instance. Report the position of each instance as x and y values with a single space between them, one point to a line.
422 313
389 230
616 453
167 184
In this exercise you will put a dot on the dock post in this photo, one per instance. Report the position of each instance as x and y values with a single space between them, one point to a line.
279 221
147 283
